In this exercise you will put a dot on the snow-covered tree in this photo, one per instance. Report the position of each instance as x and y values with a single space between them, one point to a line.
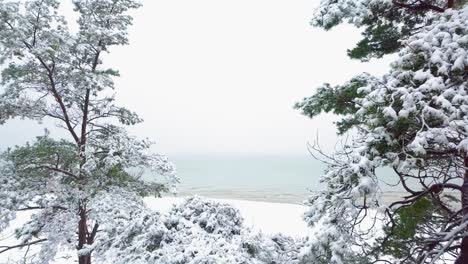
51 72
413 119
384 22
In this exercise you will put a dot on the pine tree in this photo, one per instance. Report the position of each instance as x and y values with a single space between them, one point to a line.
414 119
50 72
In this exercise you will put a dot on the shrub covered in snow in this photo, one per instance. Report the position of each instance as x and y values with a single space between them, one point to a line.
216 218
198 231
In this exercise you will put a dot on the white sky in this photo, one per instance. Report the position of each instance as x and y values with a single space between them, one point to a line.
221 76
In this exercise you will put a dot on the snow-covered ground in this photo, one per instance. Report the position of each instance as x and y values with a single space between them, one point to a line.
265 217
269 218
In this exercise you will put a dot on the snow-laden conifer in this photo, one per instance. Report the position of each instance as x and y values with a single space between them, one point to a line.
414 120
50 72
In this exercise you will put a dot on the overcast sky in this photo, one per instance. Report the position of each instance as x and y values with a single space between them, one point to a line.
221 76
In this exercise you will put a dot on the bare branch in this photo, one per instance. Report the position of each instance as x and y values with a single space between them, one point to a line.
6 248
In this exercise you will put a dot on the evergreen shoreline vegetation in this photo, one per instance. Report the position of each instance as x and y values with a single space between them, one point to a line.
82 197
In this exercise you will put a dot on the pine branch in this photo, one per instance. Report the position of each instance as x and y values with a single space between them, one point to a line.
54 91
422 6
93 233
435 188
6 248
40 207
60 171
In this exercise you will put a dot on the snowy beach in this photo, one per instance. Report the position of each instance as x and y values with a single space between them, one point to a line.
268 196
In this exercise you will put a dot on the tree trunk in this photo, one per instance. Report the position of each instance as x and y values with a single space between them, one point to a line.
463 257
84 260
450 3
82 236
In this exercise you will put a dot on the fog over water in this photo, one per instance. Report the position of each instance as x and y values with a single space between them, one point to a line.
212 76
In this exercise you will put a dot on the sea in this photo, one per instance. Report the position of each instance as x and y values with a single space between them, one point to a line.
283 179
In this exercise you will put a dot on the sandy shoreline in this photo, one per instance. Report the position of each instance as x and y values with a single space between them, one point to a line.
268 196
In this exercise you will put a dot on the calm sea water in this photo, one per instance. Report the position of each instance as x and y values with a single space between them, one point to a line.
269 178
287 179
